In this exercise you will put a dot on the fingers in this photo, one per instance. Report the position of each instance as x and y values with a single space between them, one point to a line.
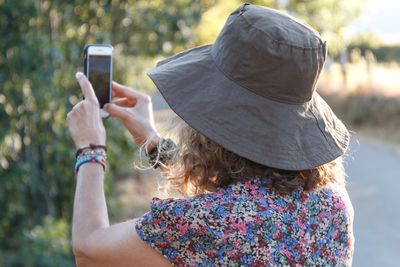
120 90
77 105
86 87
125 102
117 111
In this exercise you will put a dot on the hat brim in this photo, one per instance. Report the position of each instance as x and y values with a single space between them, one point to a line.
278 135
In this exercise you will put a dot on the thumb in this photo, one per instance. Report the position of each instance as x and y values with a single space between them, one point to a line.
117 111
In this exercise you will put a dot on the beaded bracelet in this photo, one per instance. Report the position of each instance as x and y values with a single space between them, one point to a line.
90 147
90 159
93 152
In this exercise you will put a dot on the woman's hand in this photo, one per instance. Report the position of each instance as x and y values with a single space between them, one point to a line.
135 111
84 121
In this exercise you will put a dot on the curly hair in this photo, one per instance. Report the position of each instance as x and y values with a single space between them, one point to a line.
199 165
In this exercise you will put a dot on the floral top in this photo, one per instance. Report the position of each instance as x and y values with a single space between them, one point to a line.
249 224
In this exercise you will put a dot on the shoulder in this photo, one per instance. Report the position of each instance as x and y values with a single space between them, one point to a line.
177 228
338 198
182 209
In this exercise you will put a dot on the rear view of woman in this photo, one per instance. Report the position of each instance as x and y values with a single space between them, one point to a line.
258 158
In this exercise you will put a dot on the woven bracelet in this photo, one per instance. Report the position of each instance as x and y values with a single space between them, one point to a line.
90 159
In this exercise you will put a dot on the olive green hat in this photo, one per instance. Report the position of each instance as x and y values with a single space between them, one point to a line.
253 91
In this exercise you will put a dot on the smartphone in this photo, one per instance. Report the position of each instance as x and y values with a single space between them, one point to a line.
98 70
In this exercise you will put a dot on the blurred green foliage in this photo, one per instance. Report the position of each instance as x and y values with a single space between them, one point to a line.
40 51
385 54
329 17
365 43
47 245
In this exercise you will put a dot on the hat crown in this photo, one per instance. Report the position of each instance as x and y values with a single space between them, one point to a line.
270 53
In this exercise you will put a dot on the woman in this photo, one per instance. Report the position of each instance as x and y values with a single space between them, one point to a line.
258 157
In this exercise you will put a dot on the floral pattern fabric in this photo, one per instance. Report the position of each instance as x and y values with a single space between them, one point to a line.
249 224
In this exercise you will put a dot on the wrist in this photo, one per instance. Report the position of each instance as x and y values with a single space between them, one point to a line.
91 154
151 142
88 144
91 167
91 171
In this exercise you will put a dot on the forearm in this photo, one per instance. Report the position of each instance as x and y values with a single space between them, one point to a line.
90 208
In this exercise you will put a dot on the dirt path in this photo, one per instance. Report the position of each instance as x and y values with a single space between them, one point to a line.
373 184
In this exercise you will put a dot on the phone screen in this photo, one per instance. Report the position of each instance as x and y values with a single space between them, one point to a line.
99 77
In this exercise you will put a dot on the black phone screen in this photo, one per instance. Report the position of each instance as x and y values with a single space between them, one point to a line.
99 77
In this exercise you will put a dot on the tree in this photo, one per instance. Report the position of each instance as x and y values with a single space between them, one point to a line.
39 53
329 17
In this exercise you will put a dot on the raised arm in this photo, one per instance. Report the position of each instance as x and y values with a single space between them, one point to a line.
95 242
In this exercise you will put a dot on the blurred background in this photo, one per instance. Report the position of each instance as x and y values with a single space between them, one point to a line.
41 49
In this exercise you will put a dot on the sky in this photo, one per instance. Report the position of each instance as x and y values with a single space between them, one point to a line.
381 17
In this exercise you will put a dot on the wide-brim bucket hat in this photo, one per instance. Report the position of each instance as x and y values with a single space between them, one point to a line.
253 91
